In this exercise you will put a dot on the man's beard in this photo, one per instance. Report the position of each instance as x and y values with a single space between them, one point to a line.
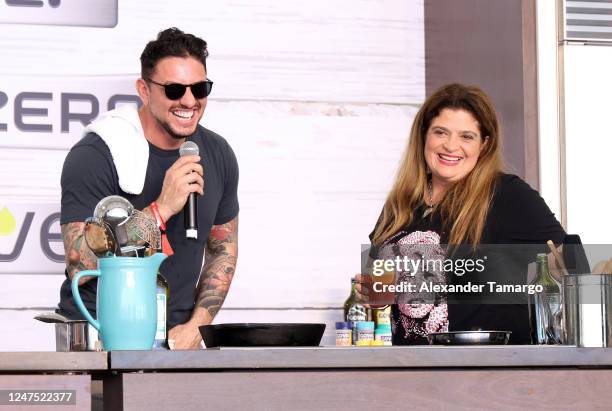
171 132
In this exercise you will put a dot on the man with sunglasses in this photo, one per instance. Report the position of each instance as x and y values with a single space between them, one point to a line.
135 154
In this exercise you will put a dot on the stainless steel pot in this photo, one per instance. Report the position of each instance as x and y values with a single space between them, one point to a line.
587 310
72 335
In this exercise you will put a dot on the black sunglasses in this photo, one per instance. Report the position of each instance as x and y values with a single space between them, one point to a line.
175 91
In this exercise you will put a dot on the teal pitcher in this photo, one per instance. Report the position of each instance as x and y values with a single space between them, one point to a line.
126 302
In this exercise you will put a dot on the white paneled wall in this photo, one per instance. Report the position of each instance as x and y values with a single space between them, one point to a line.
316 99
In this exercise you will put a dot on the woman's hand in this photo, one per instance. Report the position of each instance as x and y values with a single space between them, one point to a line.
374 291
361 288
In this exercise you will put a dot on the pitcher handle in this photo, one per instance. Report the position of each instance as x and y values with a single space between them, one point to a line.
77 296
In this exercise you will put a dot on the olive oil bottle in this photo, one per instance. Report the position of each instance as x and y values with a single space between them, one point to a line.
353 310
545 306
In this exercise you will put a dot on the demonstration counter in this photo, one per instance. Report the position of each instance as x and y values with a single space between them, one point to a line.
489 377
62 380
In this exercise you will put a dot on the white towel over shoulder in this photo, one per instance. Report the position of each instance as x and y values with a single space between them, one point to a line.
122 132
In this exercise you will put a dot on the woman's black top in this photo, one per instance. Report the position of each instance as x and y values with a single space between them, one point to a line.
517 227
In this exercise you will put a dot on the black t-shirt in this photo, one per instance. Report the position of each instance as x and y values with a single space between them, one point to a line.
89 175
517 215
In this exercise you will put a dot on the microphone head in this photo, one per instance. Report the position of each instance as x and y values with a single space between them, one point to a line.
189 148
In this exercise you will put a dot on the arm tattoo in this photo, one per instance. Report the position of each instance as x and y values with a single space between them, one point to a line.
219 265
78 255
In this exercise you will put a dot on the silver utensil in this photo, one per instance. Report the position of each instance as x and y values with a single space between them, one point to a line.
116 208
118 229
114 211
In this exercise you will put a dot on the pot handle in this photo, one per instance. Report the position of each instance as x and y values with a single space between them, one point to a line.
77 296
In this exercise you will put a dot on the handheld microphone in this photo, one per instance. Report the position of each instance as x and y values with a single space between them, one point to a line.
189 148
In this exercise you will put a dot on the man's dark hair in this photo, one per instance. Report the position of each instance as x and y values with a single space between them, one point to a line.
171 42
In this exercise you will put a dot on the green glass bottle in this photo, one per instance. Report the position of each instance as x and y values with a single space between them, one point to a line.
353 310
545 306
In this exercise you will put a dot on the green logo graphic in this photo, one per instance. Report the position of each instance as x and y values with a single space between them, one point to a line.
7 222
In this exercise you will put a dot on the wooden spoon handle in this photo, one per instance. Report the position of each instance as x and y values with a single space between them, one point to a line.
600 267
608 268
558 257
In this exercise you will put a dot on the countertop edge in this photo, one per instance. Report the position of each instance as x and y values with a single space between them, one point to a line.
363 357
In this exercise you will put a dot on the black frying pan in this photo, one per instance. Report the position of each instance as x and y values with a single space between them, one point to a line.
262 335
470 338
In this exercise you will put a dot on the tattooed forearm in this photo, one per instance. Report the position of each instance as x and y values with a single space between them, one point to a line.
219 266
78 255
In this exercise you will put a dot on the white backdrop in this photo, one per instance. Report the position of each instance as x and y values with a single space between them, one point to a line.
316 101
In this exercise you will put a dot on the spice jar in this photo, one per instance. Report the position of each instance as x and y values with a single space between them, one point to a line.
383 333
343 334
365 331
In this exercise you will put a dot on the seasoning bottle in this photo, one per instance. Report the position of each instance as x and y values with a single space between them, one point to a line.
365 332
382 315
383 334
545 306
353 310
162 293
344 333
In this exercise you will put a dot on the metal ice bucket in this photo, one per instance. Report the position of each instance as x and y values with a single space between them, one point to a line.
71 335
75 336
587 310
